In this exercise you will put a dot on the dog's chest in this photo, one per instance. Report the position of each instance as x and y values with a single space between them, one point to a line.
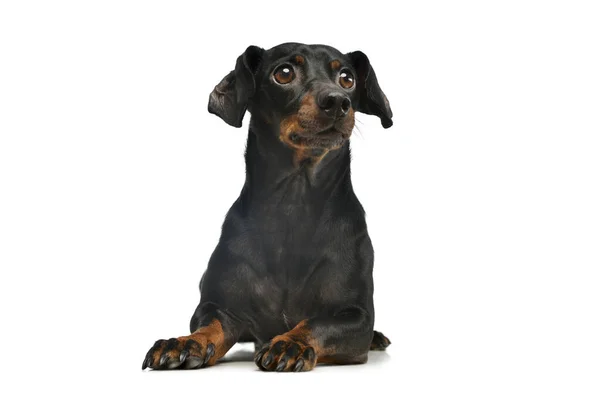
290 293
288 220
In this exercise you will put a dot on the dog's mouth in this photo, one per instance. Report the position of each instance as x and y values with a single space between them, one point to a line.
330 133
311 134
327 138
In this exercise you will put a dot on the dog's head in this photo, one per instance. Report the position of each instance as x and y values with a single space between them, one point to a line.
309 92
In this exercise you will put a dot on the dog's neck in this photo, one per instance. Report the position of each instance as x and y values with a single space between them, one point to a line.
273 168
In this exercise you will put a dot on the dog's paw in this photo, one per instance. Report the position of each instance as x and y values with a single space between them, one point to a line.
284 354
379 342
186 352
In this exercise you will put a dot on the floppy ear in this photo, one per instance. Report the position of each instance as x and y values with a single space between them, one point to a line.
229 99
371 99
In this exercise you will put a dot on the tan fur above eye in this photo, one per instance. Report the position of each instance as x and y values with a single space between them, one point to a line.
335 65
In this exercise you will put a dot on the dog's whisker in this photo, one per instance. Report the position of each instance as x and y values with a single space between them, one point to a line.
358 132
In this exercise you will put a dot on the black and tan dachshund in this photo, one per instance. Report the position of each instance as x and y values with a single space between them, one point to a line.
293 269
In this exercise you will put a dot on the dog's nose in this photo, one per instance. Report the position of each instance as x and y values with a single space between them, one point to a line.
335 104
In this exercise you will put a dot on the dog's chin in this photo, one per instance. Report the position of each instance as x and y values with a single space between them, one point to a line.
330 138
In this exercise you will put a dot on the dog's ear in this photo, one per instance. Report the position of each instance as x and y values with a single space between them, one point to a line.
229 99
371 99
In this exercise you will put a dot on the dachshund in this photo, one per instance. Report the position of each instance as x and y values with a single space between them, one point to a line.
293 269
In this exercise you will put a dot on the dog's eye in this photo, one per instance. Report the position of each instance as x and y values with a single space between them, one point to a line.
284 74
346 79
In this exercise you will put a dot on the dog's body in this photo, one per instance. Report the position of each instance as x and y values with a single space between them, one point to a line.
292 271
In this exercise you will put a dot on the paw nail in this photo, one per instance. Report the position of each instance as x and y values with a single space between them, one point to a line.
183 355
280 366
267 360
299 366
259 355
210 351
163 359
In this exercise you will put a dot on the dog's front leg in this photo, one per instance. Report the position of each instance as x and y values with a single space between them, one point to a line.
343 337
214 332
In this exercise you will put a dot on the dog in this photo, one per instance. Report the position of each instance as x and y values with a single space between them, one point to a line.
292 271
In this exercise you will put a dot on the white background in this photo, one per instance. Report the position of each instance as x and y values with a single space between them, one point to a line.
482 199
